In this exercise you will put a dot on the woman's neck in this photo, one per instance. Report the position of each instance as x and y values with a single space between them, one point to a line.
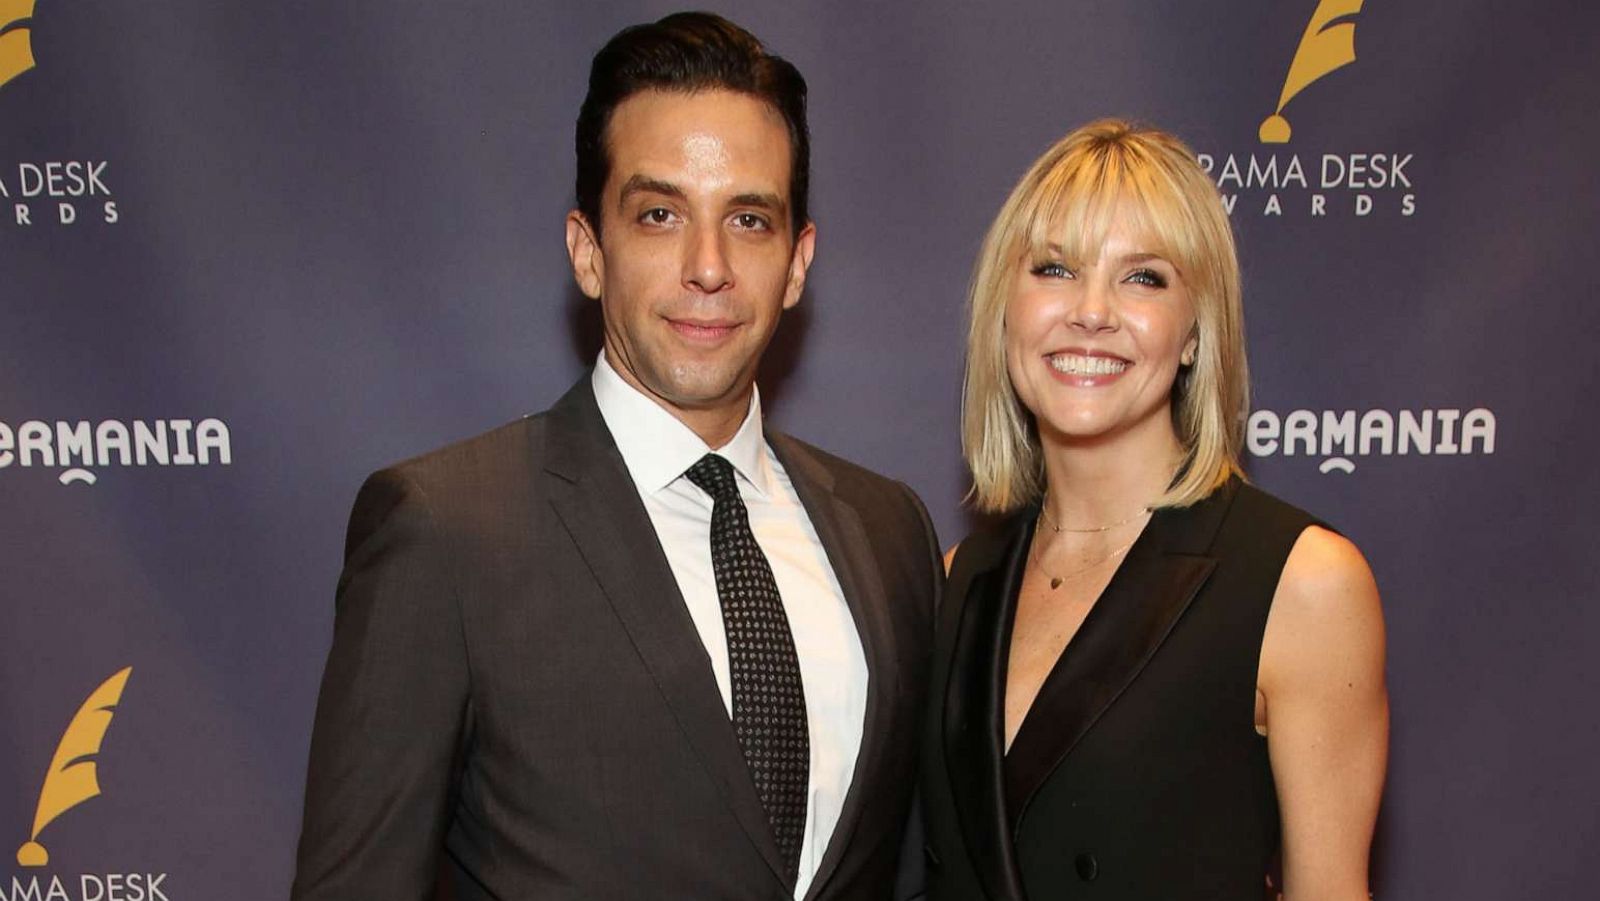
1095 482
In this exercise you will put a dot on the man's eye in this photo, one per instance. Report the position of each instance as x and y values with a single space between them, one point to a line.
1051 270
1148 277
749 221
656 216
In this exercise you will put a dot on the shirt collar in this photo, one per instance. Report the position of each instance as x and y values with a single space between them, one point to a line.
657 448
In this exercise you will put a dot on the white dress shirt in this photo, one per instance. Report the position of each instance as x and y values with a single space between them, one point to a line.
657 448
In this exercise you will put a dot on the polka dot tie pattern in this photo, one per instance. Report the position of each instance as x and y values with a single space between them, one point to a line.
769 703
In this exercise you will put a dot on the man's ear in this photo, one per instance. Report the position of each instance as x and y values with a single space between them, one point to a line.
804 246
583 249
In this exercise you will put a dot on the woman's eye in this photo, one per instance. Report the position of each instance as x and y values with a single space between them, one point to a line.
1051 270
1148 277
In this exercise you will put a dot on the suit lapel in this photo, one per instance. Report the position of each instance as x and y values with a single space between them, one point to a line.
1133 616
596 501
844 540
974 700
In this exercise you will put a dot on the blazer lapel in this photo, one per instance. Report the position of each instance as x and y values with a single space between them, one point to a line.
844 540
1133 616
596 501
974 702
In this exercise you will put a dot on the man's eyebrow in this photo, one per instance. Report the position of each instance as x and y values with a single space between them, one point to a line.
642 184
770 202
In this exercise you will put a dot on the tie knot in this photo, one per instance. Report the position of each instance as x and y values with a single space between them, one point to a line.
714 475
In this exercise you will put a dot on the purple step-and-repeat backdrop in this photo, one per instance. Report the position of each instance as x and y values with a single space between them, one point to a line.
249 252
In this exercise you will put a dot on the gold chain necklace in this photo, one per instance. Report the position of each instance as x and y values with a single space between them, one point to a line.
1056 581
1044 514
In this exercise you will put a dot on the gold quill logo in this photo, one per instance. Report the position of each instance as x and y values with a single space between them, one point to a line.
71 779
16 39
1328 44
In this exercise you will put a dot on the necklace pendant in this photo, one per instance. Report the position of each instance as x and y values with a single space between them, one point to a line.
1055 582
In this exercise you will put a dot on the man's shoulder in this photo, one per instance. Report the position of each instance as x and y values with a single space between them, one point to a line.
489 449
487 467
868 491
513 447
793 450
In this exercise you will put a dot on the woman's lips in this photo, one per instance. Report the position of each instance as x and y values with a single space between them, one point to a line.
1087 365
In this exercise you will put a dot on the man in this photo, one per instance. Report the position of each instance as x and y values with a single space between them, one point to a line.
637 646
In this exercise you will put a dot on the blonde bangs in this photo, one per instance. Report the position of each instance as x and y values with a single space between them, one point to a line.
1077 206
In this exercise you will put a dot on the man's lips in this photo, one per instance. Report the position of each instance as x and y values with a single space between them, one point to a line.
703 329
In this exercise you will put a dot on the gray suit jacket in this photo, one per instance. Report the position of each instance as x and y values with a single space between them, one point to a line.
517 700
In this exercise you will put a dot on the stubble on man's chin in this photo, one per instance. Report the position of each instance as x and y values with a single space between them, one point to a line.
706 388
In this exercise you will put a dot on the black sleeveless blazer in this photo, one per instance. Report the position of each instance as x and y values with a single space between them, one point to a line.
1138 773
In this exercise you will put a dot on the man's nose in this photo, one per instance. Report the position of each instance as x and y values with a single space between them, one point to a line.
706 265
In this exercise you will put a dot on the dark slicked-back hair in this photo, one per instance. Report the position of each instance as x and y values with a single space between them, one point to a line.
688 52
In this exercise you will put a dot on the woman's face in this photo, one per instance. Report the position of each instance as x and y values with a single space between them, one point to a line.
1093 346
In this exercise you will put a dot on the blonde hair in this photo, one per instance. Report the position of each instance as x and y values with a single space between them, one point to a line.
1069 197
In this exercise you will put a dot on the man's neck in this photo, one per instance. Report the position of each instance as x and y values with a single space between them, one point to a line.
716 424
716 427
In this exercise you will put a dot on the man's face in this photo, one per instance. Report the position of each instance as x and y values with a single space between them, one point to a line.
698 256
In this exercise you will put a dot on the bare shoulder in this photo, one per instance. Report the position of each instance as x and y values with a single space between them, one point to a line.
1326 613
1326 577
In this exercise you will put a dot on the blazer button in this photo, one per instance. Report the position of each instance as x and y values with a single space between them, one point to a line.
1088 867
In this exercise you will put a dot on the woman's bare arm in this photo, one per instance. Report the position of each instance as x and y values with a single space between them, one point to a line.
1327 713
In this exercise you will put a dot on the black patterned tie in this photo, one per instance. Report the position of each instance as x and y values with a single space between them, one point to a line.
769 702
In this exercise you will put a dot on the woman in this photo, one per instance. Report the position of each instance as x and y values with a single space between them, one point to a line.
1149 676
